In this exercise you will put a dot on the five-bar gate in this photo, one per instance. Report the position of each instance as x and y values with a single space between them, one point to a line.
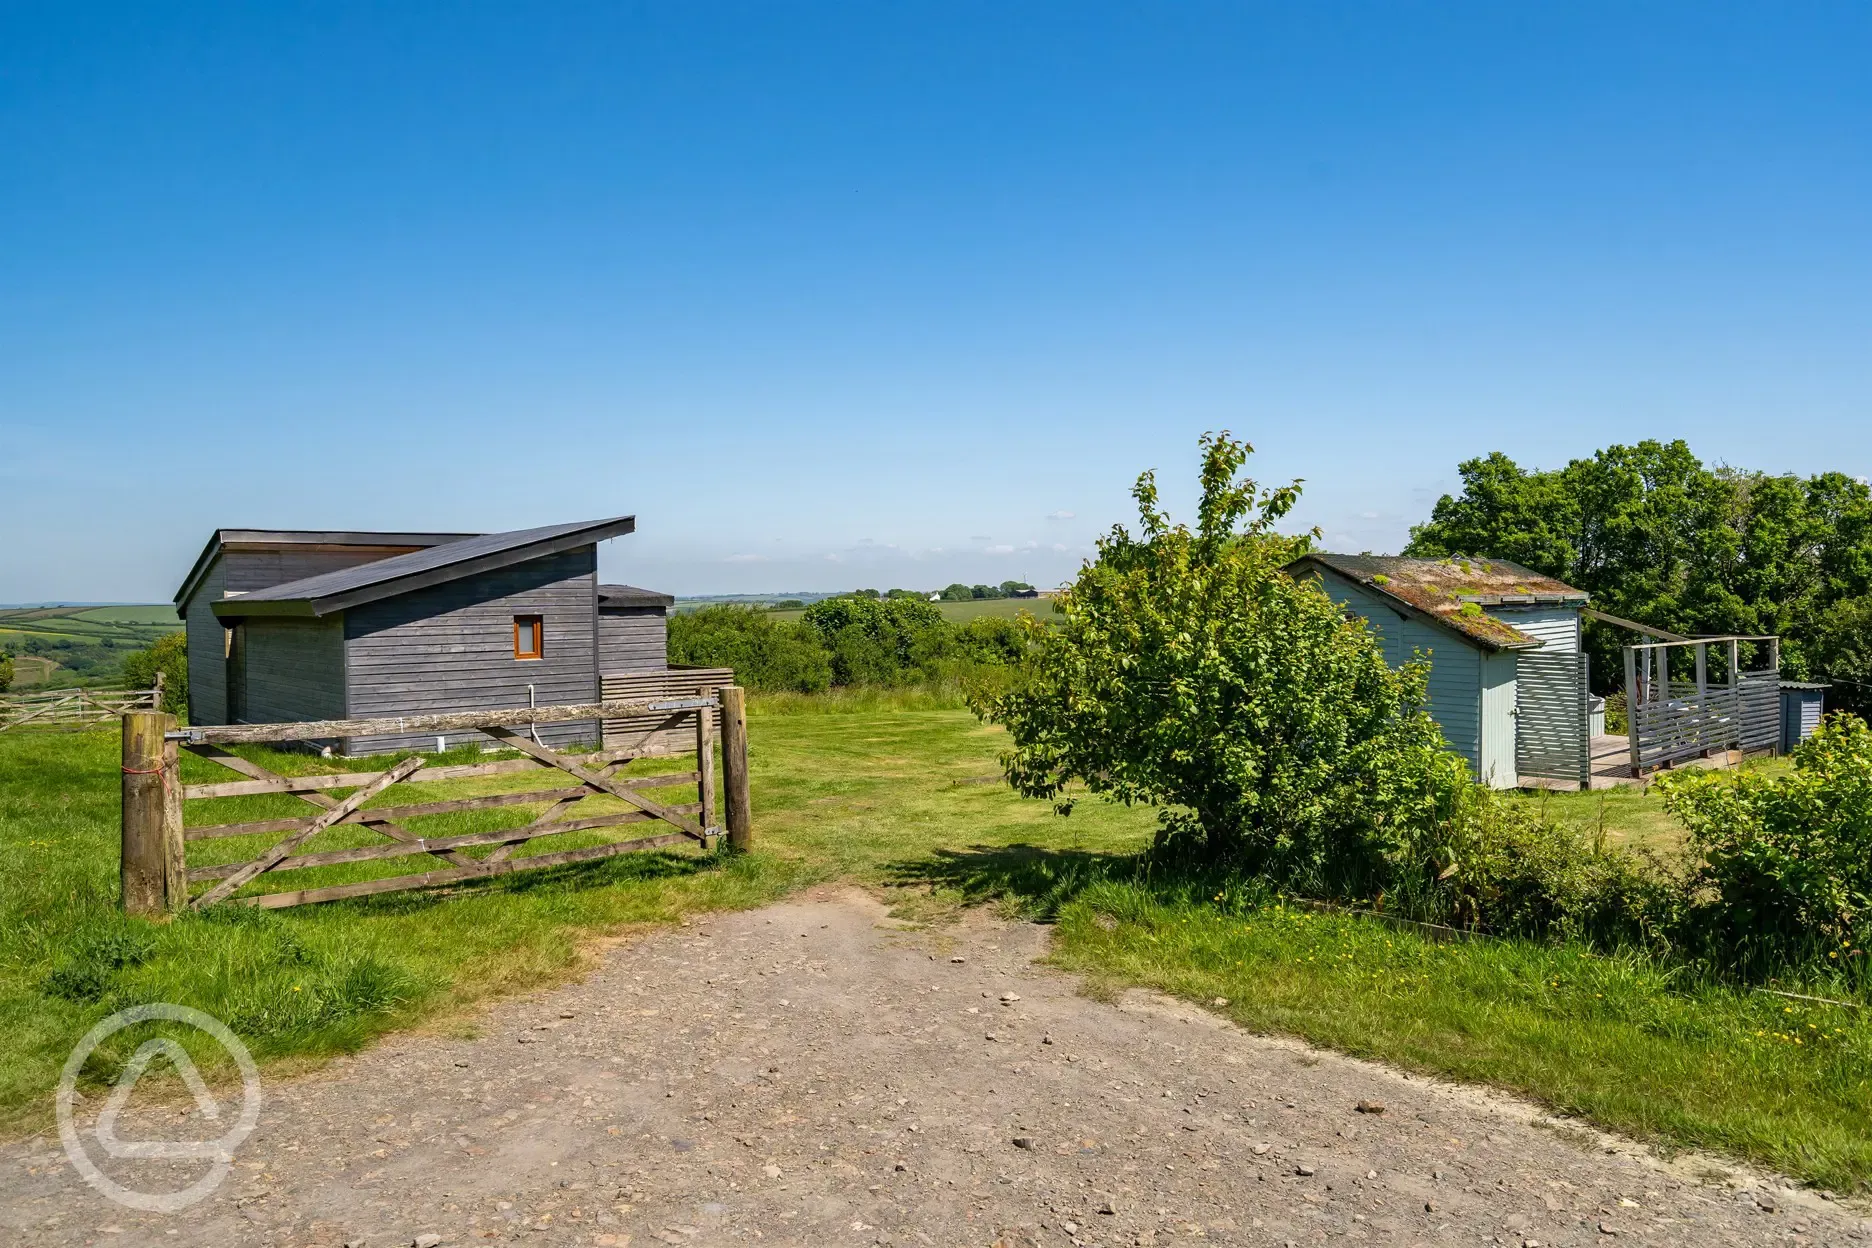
157 876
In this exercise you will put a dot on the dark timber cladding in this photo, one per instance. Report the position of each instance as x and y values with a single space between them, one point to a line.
379 632
633 629
240 561
450 648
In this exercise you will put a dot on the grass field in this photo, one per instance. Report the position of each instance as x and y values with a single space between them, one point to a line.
909 801
1630 815
963 612
80 645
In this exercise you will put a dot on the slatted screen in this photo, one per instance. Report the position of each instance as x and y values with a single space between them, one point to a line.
1550 716
655 734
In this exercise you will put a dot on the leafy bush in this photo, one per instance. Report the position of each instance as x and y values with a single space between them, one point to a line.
766 654
1786 871
878 641
1514 873
1842 652
1190 672
6 671
168 655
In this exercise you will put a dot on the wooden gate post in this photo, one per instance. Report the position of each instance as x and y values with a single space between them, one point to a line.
705 767
735 766
152 870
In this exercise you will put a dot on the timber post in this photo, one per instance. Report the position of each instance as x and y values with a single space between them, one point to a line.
705 768
152 864
735 766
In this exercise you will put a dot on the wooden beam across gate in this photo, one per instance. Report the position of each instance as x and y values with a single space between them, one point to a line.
453 721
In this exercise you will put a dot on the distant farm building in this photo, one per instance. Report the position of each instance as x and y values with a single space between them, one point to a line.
1507 671
294 625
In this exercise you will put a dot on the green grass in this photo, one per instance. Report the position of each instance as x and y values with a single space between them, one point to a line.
909 800
836 795
1621 1042
1630 815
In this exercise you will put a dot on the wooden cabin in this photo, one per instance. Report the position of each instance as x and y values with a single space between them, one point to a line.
292 626
1508 677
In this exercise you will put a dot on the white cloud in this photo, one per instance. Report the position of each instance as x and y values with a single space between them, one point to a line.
745 559
1059 515
1000 550
981 538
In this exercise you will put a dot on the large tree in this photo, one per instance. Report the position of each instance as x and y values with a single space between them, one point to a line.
1657 536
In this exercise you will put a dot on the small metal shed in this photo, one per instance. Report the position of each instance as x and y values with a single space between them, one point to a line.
1802 705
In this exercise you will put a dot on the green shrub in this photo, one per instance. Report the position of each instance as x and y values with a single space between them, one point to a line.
1786 861
1514 873
766 654
168 655
1188 671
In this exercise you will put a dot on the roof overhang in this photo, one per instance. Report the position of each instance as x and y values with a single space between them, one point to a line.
276 539
246 607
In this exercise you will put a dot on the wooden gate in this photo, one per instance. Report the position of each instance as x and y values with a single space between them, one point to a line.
72 709
157 877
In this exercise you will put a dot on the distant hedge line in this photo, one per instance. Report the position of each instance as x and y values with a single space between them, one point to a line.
847 641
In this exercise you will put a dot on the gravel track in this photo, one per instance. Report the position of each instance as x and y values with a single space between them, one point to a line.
810 1074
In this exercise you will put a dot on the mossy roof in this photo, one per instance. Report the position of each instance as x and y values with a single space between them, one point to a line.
1456 592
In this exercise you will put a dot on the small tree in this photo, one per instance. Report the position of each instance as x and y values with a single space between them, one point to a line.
168 655
1188 671
6 671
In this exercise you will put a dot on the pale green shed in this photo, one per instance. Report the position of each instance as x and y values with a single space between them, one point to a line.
1508 676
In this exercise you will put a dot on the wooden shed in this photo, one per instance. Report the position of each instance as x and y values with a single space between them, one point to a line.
300 626
1508 675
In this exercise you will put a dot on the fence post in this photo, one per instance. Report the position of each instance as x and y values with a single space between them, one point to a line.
152 872
705 765
735 766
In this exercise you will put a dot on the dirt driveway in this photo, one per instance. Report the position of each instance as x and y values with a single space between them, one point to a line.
805 1074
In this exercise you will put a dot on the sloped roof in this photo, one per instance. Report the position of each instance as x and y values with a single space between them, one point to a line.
633 596
335 591
1453 592
276 539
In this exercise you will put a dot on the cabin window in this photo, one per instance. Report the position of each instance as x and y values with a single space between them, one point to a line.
529 637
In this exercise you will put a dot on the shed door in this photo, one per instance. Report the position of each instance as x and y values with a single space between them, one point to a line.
1550 717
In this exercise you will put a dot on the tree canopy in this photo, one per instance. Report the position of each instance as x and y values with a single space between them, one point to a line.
1657 536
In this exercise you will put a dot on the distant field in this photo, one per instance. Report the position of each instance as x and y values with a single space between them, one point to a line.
79 645
963 612
162 613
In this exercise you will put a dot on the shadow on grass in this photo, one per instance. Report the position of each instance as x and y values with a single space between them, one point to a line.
1036 879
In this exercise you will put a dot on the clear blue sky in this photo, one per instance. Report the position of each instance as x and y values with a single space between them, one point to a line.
897 294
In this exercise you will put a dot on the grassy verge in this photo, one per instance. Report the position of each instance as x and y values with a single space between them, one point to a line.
1622 1042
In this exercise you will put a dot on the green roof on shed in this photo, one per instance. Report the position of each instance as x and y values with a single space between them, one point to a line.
1453 592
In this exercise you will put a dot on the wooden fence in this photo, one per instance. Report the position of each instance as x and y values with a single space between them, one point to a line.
75 709
157 877
1676 712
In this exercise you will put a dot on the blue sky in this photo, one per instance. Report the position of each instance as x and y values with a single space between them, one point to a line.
897 294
